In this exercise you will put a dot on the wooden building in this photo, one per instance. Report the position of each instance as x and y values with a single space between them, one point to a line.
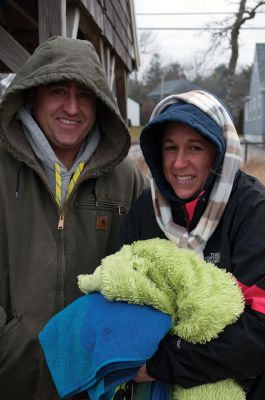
108 24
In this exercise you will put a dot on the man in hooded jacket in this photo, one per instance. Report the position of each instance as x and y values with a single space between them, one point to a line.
65 188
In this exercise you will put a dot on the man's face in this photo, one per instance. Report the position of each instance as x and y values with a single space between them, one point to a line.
66 112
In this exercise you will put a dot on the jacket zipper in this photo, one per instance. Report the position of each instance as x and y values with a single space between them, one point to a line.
60 227
61 275
61 220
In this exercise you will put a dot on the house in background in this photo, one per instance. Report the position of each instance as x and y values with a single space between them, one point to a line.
166 88
254 107
108 24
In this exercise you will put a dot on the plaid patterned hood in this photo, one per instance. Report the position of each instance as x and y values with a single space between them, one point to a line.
220 129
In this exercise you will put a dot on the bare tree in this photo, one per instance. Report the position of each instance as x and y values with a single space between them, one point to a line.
231 30
147 40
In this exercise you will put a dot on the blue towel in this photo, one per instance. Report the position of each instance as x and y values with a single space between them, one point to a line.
96 345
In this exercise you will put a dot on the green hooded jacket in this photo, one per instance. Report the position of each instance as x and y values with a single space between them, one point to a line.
39 263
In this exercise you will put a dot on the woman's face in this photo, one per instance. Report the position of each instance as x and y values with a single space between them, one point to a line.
187 159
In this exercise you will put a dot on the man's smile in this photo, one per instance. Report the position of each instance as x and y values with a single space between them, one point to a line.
68 121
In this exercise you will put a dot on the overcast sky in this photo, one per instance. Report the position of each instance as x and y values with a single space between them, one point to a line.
187 46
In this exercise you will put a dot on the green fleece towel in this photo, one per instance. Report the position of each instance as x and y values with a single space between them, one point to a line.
201 298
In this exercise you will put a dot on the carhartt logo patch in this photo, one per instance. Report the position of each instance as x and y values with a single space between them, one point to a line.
102 222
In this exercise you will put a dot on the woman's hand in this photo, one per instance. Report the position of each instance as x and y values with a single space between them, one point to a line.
142 375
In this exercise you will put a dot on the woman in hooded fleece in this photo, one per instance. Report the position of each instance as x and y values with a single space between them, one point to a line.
199 199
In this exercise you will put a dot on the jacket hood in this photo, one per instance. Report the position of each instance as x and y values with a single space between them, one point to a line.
60 59
188 114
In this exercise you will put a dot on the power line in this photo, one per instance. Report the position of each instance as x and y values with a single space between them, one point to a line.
192 29
196 13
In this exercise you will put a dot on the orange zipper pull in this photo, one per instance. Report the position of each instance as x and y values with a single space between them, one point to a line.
61 221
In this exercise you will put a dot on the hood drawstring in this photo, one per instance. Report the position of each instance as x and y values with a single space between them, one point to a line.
18 180
58 179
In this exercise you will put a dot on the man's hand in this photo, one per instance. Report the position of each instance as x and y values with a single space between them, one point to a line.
142 375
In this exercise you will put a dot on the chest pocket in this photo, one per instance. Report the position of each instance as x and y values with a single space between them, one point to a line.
102 206
105 215
96 229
